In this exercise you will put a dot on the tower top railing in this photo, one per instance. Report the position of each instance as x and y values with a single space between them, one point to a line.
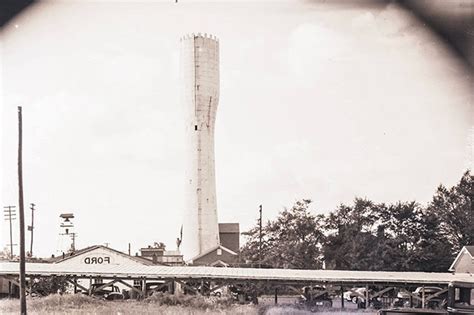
195 35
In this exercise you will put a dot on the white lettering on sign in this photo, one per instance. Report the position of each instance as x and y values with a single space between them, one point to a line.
97 260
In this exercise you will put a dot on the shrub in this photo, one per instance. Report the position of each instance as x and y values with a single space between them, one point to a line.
50 285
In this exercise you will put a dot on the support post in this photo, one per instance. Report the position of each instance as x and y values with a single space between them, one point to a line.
342 297
178 287
90 285
144 288
276 296
367 296
423 297
171 287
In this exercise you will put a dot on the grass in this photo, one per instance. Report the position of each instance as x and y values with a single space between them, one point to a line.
167 304
156 304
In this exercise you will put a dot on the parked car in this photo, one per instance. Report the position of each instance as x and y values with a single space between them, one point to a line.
217 292
314 297
358 296
402 299
152 287
243 294
436 302
111 292
353 297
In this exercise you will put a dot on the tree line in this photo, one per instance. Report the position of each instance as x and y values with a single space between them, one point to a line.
403 236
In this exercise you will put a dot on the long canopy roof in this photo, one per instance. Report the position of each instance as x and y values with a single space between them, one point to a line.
216 273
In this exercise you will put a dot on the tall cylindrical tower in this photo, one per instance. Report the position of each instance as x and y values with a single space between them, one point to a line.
200 75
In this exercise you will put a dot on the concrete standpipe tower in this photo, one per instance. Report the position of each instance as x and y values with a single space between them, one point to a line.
200 75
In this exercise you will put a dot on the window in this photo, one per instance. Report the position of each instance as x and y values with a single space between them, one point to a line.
219 252
195 127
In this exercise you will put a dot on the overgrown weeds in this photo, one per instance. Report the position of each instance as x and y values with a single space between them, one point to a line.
194 301
52 303
165 304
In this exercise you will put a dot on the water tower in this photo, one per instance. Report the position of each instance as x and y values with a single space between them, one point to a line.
200 96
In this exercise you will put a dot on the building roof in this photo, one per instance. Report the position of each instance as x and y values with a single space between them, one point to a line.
466 249
213 249
229 228
470 250
138 259
157 272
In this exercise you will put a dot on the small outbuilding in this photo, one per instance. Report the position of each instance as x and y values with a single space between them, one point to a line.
225 254
464 262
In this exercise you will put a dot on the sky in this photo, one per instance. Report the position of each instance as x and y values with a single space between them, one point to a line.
319 101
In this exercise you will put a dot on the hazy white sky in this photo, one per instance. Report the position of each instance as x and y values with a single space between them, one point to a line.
318 101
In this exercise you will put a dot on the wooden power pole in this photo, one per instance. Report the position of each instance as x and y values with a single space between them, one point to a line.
9 212
22 217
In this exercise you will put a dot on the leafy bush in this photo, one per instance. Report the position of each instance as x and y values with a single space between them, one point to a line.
50 285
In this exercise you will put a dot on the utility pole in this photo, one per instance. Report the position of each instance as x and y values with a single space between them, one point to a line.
31 227
260 239
9 212
22 217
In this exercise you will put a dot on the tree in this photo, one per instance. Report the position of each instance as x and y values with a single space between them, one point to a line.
369 236
403 236
350 236
454 208
401 223
433 251
293 240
